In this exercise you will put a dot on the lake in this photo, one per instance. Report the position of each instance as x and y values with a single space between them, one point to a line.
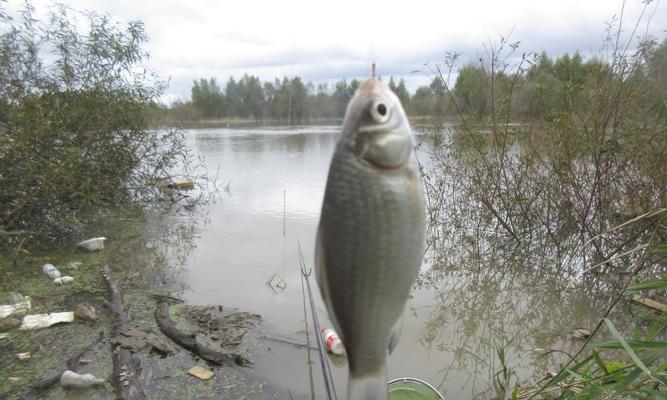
271 187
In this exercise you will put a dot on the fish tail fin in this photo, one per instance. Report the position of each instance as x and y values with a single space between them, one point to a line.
368 387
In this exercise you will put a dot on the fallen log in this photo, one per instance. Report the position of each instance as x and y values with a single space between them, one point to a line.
168 299
73 364
189 340
125 366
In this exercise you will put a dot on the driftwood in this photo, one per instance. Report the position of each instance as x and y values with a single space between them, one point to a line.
73 364
189 340
168 299
656 305
125 365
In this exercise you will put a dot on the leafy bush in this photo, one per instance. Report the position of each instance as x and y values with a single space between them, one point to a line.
559 166
589 156
75 101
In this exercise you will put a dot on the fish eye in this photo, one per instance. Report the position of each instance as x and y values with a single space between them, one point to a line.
380 110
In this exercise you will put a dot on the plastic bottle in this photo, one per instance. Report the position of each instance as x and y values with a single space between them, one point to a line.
74 380
16 308
38 321
74 264
92 244
63 280
51 271
332 342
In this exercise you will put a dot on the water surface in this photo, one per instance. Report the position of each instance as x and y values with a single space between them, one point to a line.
275 179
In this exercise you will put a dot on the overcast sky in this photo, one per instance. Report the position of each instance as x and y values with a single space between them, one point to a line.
324 41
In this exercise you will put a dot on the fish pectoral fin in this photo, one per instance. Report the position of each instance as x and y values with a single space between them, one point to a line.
395 334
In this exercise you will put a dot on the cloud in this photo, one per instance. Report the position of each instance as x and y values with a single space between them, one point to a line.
323 42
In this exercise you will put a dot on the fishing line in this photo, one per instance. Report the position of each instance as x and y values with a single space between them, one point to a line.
291 85
284 228
326 370
373 58
277 282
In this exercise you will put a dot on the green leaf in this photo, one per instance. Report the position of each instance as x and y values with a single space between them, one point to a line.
614 366
636 372
583 379
635 344
515 392
655 284
654 394
627 380
656 330
600 363
626 346
662 378
564 374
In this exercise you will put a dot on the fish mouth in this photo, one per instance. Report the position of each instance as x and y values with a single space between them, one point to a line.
379 133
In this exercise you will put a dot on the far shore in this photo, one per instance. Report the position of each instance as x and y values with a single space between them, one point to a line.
253 122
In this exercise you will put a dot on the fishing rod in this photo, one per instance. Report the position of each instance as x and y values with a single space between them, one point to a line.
326 370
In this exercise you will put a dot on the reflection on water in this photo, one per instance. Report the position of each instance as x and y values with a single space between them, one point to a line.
454 318
472 312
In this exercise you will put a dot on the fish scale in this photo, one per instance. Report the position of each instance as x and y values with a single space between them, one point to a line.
371 234
354 197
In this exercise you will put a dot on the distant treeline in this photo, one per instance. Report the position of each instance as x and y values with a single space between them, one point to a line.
538 88
286 100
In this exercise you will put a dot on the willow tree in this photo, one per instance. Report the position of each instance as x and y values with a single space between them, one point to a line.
75 129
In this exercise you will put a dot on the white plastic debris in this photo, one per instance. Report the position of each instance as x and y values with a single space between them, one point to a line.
73 380
74 264
51 271
18 308
38 321
332 342
63 280
23 356
92 244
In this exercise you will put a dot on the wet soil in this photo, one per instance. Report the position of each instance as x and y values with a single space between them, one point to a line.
222 325
139 265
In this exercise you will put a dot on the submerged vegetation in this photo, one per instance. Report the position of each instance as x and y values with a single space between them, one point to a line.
559 168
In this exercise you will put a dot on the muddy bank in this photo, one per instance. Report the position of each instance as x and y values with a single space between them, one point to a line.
144 275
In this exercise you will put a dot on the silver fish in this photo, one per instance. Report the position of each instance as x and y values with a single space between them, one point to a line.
370 239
